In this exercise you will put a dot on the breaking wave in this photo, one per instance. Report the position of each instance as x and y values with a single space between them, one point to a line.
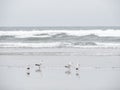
60 38
48 33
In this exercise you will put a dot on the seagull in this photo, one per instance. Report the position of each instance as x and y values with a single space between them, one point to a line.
77 67
28 68
69 65
39 65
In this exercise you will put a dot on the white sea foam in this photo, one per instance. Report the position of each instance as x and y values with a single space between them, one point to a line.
56 44
107 44
48 33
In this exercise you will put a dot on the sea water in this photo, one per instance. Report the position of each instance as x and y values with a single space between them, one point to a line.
59 37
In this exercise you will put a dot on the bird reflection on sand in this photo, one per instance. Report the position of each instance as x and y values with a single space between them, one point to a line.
68 72
38 70
69 65
28 73
77 74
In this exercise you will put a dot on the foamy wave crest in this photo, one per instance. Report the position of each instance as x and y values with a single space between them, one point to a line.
57 44
48 33
54 44
60 38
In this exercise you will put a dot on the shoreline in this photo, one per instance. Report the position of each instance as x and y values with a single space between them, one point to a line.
80 47
61 51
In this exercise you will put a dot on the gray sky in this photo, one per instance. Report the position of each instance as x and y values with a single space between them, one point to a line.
59 12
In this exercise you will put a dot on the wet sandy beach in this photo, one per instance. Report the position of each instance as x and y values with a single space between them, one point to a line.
96 72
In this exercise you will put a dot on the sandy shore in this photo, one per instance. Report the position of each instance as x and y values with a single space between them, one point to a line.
90 51
99 69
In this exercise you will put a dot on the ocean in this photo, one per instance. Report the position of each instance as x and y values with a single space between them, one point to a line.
60 37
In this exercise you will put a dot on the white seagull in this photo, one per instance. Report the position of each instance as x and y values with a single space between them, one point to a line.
69 65
77 67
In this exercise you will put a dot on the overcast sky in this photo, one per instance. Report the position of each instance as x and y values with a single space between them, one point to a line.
59 12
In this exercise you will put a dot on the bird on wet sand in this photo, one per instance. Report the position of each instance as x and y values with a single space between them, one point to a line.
28 68
39 65
77 67
69 66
